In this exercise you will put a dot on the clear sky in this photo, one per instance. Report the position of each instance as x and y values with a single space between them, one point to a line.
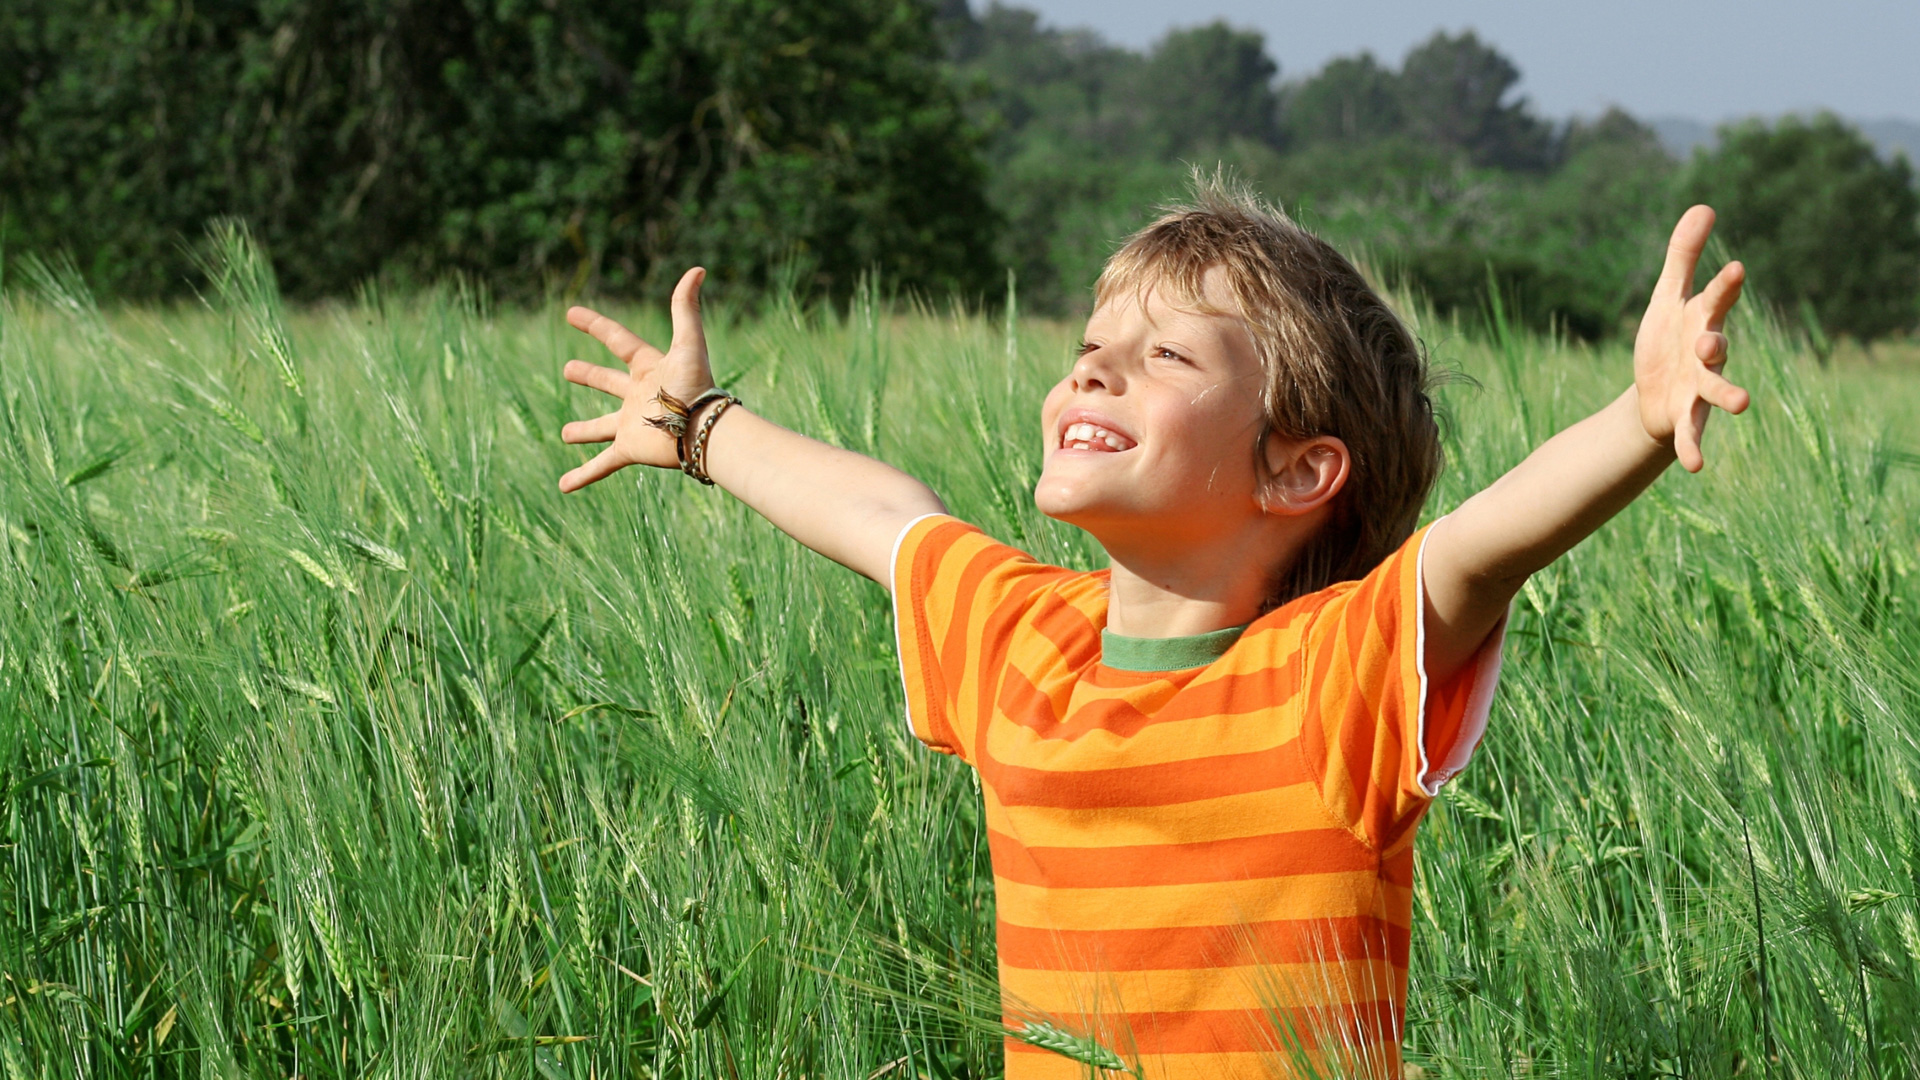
1707 60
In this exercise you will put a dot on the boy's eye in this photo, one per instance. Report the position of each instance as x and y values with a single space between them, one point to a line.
1164 353
1084 348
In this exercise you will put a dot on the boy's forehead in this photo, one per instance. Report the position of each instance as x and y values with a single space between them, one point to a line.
1161 300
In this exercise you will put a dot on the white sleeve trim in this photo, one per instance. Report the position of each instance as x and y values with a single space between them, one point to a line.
1486 675
899 646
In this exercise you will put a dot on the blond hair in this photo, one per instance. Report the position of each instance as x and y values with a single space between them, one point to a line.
1337 361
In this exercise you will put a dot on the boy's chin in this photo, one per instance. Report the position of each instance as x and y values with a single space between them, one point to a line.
1056 504
1075 505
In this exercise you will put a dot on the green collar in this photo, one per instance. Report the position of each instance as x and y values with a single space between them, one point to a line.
1166 654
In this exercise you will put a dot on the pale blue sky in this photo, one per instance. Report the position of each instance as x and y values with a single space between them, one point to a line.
1703 59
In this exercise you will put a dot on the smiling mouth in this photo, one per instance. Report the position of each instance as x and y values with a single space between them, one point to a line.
1085 436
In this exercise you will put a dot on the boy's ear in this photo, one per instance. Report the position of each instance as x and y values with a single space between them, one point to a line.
1302 475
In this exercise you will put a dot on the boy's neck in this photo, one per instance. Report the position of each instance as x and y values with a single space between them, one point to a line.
1196 588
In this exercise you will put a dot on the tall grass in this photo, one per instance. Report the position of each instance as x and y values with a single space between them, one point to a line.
334 742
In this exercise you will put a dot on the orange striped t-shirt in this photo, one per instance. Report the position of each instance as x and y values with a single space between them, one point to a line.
1207 870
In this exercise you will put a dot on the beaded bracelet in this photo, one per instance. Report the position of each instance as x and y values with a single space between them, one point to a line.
694 462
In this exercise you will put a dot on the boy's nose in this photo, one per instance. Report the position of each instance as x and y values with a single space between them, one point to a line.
1092 372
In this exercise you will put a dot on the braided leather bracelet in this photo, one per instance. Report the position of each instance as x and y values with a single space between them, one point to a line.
694 461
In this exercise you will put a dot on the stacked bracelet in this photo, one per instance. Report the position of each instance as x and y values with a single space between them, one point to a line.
693 458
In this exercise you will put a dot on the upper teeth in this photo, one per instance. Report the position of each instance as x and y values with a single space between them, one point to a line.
1083 435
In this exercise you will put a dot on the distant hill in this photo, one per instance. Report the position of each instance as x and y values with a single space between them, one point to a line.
1893 135
1680 135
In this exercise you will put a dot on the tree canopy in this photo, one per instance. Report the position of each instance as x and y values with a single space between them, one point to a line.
1436 170
1437 167
1820 219
535 144
515 141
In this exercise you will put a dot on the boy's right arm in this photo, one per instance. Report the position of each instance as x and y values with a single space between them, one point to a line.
845 506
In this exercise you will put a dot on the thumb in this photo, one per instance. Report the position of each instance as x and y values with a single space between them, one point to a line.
687 331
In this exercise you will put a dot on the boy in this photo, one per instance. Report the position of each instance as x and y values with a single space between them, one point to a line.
1203 767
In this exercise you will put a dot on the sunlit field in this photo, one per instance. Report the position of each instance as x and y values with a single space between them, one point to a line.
335 742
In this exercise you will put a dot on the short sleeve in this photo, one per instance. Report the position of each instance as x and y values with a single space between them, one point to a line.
961 601
1378 736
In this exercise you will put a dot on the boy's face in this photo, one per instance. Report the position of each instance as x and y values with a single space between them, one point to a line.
1150 438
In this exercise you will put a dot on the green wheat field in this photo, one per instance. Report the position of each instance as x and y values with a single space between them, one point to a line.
334 742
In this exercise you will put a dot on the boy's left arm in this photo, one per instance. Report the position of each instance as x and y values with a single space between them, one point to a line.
1477 558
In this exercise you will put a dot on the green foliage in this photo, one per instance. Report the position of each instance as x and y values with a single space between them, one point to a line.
1458 189
1566 250
1434 171
1453 92
1569 250
1350 100
334 742
559 146
1066 169
1088 139
1819 219
1205 86
519 143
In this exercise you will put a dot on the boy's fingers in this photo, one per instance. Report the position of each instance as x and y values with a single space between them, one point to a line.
619 340
1683 252
601 465
1686 441
596 377
1711 347
687 331
1718 392
580 317
1722 293
598 429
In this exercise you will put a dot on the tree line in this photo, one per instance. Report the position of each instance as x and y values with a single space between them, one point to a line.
520 142
1434 170
538 145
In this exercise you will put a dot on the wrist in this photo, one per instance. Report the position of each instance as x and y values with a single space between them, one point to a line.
702 405
703 415
1646 440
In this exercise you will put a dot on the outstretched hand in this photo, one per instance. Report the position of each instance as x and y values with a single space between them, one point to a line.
1680 349
682 371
